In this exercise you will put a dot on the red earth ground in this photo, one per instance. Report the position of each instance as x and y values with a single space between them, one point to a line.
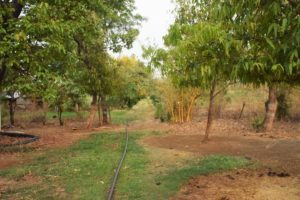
278 151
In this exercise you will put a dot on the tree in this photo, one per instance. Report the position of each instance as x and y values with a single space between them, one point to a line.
98 83
132 83
201 51
34 30
118 27
17 82
271 37
10 12
268 30
206 59
61 36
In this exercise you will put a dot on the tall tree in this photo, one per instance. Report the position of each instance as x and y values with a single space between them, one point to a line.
133 82
57 36
205 59
270 31
201 51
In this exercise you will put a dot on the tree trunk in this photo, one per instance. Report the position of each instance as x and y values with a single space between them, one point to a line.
0 110
210 111
2 73
109 114
11 111
60 111
45 111
219 104
104 107
99 111
271 108
76 107
13 13
92 112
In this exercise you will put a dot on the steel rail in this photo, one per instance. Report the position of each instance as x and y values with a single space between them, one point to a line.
117 172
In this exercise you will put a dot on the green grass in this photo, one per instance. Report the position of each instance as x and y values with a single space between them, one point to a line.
51 116
143 110
138 183
171 182
85 170
121 116
69 115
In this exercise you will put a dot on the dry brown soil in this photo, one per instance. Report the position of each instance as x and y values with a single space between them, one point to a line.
241 185
279 153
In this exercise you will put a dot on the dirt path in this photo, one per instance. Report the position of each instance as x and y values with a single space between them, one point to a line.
279 179
241 185
281 154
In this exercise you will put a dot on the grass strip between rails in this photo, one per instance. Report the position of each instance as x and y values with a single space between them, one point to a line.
84 171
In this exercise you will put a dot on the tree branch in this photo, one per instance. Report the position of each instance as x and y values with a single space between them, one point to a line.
17 8
221 90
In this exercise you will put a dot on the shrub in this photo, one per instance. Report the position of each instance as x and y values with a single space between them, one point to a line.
160 113
257 124
282 108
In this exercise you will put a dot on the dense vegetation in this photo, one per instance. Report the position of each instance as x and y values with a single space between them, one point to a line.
213 44
58 54
58 58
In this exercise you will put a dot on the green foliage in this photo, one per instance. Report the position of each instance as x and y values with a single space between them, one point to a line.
143 110
211 164
120 116
68 115
283 107
200 50
206 54
132 83
63 40
257 124
270 34
213 43
161 114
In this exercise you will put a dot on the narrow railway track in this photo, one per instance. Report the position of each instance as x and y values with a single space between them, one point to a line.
117 171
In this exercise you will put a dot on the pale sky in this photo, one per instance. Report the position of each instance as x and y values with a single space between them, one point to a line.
159 17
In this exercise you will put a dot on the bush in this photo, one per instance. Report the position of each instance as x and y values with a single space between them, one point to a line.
282 108
257 124
161 114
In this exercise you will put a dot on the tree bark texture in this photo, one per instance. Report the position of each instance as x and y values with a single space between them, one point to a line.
93 112
210 112
271 108
60 111
12 111
105 111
